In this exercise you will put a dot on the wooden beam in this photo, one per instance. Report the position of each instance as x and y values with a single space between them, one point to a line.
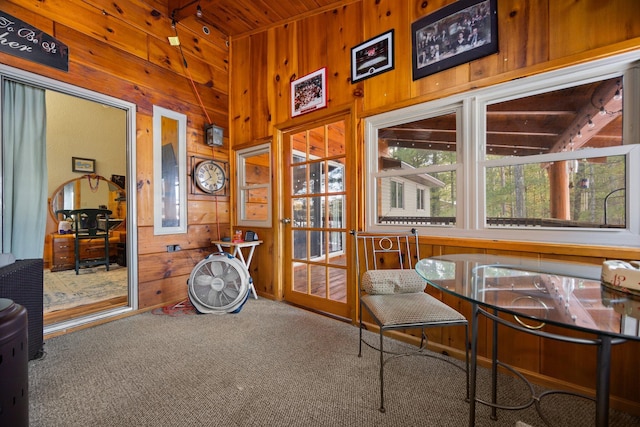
178 9
589 121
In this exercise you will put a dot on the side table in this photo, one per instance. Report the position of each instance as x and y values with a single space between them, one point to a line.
235 249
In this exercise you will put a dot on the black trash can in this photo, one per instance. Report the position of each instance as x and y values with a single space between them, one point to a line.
14 369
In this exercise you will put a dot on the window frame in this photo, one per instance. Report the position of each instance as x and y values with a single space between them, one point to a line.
471 127
242 186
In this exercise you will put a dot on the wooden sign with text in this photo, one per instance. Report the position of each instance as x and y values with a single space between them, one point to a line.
20 39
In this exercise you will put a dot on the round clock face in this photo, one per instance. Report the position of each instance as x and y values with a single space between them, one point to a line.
209 176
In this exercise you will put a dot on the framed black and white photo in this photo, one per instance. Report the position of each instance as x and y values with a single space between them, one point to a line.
456 34
309 93
373 57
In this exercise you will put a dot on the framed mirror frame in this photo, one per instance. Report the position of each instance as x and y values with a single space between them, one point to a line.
169 171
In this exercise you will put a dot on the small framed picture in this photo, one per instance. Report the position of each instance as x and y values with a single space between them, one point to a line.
119 180
309 93
375 56
83 165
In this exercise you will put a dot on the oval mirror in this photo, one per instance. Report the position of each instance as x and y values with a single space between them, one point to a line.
91 191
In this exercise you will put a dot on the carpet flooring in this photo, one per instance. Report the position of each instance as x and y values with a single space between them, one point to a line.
65 289
272 364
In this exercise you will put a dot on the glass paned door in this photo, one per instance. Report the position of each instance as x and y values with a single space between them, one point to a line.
315 204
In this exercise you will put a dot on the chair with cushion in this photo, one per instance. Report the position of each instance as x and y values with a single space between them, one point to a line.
393 294
91 225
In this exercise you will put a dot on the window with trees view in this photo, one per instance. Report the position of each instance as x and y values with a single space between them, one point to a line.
544 153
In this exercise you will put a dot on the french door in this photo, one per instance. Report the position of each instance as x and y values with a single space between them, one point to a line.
317 207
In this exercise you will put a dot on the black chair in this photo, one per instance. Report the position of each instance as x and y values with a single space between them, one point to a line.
393 294
91 225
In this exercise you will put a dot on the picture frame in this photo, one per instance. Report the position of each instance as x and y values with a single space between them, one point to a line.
120 180
79 164
374 56
309 93
455 34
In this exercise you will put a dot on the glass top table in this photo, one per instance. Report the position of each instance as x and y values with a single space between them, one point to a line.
537 292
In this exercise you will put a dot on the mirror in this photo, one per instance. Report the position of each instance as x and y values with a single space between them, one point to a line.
91 191
169 171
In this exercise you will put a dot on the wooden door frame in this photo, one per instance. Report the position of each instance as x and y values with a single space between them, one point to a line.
352 179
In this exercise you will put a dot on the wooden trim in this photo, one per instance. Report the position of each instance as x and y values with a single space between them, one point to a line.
588 251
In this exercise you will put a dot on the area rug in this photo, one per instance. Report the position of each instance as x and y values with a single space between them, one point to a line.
65 289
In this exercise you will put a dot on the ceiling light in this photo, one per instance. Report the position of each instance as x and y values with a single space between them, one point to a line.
199 12
618 95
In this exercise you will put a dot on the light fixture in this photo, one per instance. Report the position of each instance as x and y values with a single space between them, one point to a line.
213 135
590 122
173 24
199 11
602 110
618 95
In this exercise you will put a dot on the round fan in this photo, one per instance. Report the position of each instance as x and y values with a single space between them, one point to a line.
219 284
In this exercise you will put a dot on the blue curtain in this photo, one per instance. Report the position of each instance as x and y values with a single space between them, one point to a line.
24 155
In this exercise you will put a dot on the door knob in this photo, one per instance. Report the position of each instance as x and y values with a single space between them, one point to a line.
286 220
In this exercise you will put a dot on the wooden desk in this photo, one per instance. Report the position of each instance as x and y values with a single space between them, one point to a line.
236 251
63 255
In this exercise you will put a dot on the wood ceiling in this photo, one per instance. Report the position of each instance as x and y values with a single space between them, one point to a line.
240 17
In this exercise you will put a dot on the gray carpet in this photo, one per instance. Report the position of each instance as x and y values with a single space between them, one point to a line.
269 365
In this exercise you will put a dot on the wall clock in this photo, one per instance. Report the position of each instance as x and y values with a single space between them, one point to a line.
209 176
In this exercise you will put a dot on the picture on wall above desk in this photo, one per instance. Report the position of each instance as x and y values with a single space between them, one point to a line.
209 177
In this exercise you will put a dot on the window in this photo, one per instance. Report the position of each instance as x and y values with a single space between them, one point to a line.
547 158
418 161
397 194
254 186
420 203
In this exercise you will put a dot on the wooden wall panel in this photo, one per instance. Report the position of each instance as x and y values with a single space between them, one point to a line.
283 40
344 30
144 169
260 111
527 26
579 26
392 86
311 44
240 121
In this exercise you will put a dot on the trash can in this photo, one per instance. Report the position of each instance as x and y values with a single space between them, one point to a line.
14 369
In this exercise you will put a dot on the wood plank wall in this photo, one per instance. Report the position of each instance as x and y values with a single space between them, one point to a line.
534 37
121 49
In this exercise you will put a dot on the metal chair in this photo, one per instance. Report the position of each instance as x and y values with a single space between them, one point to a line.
91 224
393 294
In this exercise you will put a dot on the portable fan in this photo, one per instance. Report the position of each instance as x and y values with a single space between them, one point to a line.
219 284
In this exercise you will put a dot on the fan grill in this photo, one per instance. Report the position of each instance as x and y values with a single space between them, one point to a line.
218 284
